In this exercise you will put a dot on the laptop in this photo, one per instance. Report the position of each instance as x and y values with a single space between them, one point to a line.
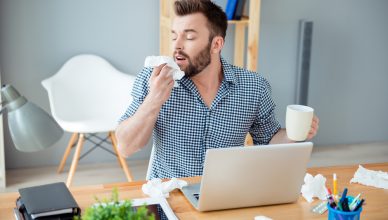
250 176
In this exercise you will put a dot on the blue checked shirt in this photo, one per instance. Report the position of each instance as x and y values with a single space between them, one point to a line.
186 127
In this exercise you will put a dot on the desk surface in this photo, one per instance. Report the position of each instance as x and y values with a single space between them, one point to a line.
375 207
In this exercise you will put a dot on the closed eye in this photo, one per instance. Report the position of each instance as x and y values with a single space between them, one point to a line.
174 36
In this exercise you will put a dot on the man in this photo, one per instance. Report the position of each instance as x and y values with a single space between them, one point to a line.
215 105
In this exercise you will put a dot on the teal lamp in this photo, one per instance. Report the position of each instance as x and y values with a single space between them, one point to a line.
31 128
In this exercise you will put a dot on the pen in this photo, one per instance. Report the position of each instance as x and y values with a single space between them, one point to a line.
344 195
359 205
330 199
340 207
354 202
345 205
335 185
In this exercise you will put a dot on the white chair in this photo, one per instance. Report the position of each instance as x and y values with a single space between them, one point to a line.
87 96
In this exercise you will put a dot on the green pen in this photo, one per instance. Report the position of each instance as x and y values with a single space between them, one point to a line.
339 206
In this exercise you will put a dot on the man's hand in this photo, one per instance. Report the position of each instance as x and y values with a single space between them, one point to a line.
281 136
161 84
314 128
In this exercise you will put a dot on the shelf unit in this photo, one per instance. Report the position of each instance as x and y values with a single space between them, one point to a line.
244 53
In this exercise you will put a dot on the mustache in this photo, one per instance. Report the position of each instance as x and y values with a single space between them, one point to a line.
180 53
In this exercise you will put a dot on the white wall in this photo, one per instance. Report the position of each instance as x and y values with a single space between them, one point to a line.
349 64
37 37
349 60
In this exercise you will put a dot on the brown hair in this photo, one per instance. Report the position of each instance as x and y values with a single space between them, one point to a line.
217 21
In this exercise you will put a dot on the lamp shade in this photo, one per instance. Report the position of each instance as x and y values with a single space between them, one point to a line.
31 128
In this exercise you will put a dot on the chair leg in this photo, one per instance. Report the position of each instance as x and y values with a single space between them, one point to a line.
122 161
74 163
73 138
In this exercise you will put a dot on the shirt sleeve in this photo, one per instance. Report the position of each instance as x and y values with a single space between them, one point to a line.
139 92
265 125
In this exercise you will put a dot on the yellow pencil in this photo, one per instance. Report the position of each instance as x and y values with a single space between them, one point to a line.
335 185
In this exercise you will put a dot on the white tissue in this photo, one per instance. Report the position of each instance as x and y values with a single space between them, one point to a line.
156 188
367 177
153 61
314 187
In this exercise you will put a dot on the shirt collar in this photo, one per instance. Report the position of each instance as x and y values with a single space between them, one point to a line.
229 73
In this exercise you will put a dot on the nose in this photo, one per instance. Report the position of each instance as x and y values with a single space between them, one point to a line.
178 43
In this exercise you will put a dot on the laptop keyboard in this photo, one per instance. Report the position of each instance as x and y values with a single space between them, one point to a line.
196 195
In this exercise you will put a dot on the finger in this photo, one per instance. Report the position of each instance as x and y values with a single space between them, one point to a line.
311 135
156 71
314 126
171 83
316 119
166 72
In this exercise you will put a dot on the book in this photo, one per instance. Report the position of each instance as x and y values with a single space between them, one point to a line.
23 215
48 200
17 214
239 10
230 9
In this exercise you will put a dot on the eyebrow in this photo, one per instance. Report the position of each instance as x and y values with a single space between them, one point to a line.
186 31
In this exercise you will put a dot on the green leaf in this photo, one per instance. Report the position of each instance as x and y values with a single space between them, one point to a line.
113 209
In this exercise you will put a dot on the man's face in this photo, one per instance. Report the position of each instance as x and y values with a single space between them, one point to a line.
190 36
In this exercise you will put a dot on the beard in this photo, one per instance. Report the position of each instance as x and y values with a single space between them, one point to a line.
198 63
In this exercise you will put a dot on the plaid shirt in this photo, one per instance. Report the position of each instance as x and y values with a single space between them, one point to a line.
186 127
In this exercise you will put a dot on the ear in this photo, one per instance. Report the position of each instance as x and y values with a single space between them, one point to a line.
217 44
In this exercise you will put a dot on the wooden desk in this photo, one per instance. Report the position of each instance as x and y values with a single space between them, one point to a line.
376 206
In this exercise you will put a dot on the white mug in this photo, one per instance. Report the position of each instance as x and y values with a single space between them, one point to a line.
298 121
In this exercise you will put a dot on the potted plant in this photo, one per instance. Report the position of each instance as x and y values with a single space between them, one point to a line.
113 209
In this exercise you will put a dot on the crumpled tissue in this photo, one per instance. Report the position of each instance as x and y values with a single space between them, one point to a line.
153 61
156 188
367 177
314 187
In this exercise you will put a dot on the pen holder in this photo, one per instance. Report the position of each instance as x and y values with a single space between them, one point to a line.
335 214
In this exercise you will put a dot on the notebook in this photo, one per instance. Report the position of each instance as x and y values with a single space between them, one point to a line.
48 200
250 176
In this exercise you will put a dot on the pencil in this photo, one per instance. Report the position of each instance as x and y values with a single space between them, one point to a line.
335 185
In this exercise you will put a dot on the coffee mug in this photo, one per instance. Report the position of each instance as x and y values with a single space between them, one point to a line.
298 121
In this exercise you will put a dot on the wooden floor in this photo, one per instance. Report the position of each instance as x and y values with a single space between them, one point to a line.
87 174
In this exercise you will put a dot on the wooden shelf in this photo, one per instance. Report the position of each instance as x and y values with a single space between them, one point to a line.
244 20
